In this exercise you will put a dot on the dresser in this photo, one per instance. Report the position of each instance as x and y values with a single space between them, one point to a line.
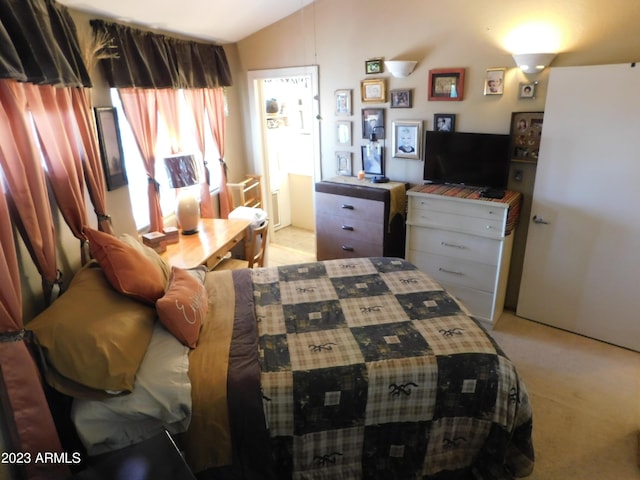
464 241
357 218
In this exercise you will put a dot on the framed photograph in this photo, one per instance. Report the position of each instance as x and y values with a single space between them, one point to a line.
526 131
527 90
494 81
373 120
343 103
343 132
406 139
372 160
110 147
374 90
446 84
444 122
373 66
401 98
343 163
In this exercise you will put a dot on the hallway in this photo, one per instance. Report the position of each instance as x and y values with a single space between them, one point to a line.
291 245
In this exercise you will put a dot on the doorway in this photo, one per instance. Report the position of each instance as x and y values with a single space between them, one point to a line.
285 137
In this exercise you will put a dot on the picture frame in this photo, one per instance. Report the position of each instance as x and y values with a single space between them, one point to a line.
527 90
373 90
343 102
343 163
526 133
406 139
446 84
373 66
401 98
372 118
494 81
110 147
372 161
444 122
343 132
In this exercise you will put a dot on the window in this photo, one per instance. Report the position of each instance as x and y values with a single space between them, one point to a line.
136 174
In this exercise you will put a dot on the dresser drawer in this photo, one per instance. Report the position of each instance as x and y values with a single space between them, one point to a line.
457 206
349 207
344 227
479 303
331 246
454 271
454 244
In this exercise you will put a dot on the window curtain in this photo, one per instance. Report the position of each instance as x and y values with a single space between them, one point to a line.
29 426
140 107
214 100
92 166
195 99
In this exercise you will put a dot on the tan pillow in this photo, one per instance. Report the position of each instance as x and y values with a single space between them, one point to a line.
183 307
93 335
129 271
160 263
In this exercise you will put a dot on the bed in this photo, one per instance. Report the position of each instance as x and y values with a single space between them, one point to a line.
354 368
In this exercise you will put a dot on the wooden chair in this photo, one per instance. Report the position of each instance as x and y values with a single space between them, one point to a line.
257 246
247 193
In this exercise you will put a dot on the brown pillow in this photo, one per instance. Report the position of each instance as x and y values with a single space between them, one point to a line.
160 263
93 335
184 306
129 271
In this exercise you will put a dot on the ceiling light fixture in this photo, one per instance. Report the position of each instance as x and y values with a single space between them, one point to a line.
400 68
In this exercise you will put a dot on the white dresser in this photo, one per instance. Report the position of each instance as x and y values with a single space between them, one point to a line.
464 241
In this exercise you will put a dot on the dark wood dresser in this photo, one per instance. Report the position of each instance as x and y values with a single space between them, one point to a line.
357 218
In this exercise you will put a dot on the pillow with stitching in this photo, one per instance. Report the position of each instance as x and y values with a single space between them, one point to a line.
128 270
184 306
93 336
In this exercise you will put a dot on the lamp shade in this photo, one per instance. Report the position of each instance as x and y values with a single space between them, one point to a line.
400 68
533 62
182 170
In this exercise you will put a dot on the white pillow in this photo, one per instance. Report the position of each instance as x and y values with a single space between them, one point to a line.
161 398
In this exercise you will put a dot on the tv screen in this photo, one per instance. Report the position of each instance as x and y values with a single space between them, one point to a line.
474 159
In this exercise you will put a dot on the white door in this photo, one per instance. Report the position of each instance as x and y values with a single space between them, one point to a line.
285 131
581 269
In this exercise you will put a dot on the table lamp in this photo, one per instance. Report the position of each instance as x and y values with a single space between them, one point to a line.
182 172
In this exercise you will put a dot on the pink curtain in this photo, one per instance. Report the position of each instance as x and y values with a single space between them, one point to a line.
26 184
92 167
169 109
214 101
140 107
30 426
195 99
55 122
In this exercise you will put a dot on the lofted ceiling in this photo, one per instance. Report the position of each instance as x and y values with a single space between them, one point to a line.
222 21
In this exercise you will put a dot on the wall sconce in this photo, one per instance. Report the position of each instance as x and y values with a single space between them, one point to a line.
182 172
533 62
400 68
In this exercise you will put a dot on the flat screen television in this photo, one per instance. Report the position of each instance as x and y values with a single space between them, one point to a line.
473 159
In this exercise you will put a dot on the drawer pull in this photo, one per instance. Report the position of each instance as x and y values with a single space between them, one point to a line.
452 272
347 248
347 227
453 245
346 206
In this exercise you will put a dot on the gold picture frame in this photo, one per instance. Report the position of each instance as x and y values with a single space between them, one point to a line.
373 90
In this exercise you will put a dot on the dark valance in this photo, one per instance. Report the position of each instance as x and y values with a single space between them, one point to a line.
39 44
144 59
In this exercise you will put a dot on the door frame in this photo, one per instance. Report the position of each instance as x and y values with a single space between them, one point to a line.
258 160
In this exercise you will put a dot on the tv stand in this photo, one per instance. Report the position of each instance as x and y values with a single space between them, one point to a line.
492 193
464 241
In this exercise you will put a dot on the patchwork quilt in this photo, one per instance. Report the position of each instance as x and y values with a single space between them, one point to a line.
370 370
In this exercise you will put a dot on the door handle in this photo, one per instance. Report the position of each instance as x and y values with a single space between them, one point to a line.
539 220
347 227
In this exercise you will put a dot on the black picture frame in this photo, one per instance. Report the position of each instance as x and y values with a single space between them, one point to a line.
444 122
373 66
372 118
526 133
110 147
372 163
401 98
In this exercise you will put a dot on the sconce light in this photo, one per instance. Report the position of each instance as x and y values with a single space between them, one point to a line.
533 62
182 172
400 68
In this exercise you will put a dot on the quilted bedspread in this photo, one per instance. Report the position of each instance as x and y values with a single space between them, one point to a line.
370 370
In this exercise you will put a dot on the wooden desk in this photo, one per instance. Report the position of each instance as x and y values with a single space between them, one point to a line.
215 238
